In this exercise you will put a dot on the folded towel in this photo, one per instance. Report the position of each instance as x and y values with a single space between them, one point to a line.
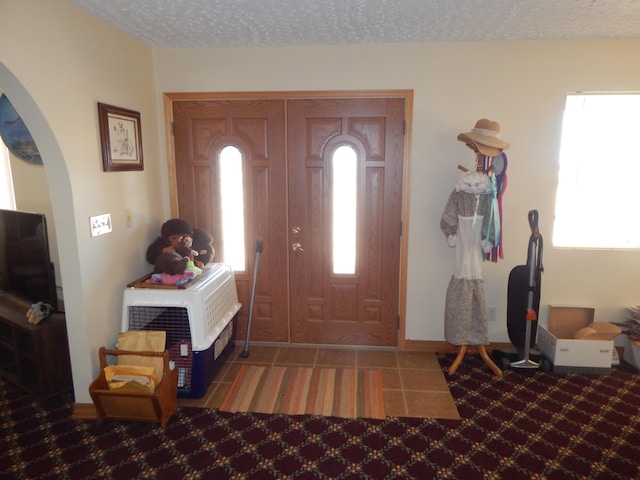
132 378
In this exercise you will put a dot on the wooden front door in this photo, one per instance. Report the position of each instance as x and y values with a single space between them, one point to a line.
202 129
288 203
358 306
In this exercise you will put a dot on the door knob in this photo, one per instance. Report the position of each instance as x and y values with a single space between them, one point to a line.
297 247
296 230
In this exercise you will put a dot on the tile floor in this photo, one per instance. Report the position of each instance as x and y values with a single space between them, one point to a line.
413 383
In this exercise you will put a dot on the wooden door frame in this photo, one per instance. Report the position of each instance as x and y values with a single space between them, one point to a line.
407 95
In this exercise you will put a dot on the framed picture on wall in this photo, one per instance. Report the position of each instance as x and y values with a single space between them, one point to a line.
121 138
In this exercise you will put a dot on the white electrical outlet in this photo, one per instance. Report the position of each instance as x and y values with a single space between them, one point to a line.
491 314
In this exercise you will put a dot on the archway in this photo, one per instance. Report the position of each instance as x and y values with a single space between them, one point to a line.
62 207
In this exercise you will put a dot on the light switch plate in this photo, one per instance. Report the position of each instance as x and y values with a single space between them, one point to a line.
100 224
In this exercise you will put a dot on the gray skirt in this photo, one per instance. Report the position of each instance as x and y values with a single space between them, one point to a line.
465 313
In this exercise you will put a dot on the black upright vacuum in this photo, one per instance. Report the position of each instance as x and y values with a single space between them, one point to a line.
523 306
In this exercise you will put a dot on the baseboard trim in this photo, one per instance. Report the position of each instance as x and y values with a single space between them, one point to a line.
442 346
84 411
425 345
408 346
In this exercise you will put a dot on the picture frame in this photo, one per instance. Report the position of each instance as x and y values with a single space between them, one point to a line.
121 138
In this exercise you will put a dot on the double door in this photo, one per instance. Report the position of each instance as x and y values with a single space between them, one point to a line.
319 183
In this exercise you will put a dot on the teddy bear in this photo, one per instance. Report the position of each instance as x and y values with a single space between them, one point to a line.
177 235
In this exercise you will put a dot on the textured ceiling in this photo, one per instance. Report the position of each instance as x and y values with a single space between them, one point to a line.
249 23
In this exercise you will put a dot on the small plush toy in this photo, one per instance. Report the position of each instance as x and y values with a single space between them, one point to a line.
185 251
171 268
172 263
176 235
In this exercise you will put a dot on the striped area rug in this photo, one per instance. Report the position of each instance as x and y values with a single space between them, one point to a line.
346 393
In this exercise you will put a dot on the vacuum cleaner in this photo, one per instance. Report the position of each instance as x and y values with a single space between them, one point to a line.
523 305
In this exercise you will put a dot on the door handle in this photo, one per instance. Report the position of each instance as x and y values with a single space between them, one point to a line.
297 247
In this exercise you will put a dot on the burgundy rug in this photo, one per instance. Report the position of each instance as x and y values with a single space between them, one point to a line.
528 425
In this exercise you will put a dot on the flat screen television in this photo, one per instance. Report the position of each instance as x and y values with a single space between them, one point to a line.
26 270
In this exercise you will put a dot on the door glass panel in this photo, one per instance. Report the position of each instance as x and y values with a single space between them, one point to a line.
232 203
344 168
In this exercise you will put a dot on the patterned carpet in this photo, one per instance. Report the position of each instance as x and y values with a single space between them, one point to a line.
528 425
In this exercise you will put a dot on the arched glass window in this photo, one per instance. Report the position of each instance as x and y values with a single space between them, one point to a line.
344 186
232 203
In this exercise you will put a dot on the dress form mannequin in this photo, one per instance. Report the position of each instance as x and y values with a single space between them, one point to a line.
465 224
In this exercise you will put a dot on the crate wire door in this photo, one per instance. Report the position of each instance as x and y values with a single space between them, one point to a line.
175 322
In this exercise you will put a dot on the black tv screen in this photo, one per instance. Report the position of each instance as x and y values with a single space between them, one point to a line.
26 270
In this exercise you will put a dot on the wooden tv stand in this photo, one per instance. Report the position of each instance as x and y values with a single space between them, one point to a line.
34 357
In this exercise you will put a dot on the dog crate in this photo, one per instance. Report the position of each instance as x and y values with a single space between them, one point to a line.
199 320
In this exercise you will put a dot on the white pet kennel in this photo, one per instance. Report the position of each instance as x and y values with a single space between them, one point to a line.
199 319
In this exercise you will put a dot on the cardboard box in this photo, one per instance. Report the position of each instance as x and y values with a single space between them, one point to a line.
556 342
632 352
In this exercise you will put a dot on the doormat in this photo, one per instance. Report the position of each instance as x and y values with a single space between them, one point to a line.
339 392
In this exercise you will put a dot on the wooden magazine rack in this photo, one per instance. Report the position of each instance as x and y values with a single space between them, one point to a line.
136 406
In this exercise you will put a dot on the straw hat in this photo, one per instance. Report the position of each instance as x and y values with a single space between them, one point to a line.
485 136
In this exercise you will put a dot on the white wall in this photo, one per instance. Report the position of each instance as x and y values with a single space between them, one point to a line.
56 63
520 84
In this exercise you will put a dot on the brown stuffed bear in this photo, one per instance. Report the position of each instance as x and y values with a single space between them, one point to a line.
177 235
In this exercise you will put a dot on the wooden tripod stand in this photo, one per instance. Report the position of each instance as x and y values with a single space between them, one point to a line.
462 351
